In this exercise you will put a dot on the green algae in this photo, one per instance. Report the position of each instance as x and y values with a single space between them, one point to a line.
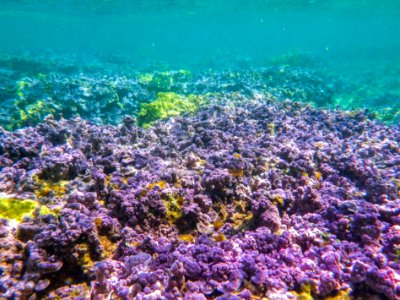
168 105
48 188
16 209
28 111
145 78
388 114
163 81
44 210
173 205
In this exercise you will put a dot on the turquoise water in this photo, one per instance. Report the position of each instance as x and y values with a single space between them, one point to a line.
187 32
354 42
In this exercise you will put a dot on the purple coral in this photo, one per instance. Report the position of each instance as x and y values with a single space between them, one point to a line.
215 205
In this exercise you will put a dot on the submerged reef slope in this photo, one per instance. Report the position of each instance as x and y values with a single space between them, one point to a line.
247 198
34 87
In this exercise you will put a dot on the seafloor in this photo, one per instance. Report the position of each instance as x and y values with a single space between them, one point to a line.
242 184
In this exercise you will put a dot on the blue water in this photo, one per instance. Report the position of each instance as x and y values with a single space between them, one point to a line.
198 31
356 41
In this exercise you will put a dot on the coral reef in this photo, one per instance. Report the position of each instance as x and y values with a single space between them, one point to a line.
248 197
62 87
106 89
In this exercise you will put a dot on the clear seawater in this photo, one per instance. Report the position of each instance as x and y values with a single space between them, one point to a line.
358 40
189 31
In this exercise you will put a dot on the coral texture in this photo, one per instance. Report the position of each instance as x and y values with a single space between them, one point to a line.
247 198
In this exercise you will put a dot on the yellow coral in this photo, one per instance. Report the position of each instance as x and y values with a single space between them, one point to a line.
219 237
84 259
186 238
145 78
242 214
173 204
278 200
239 219
178 185
218 224
319 145
271 129
58 188
135 243
236 172
342 295
237 155
109 247
306 291
161 184
318 175
98 222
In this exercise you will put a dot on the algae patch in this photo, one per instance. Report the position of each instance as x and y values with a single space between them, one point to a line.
168 105
16 209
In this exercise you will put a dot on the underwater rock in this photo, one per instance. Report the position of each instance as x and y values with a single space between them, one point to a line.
217 204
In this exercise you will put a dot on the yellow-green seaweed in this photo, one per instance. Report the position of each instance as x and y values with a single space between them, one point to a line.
44 210
167 105
173 205
162 81
46 188
16 209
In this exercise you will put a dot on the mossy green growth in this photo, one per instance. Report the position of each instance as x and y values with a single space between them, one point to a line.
306 292
168 105
160 82
44 210
21 85
145 78
30 113
173 205
163 81
27 109
16 209
389 114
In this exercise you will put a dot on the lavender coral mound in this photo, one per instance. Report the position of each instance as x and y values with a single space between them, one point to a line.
258 199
